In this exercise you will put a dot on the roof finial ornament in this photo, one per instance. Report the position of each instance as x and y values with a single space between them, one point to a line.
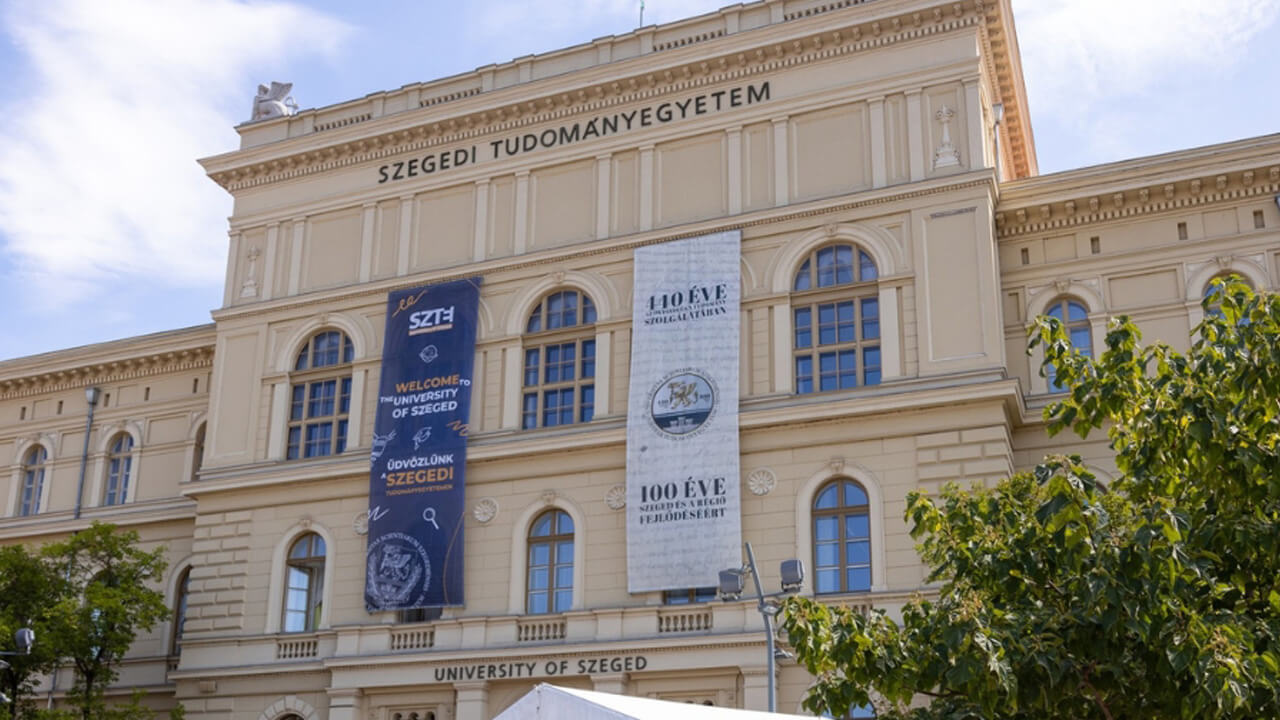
273 102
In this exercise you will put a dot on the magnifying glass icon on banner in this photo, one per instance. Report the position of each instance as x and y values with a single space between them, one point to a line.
429 515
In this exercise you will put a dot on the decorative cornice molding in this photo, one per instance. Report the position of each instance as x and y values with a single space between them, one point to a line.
140 366
727 67
1030 216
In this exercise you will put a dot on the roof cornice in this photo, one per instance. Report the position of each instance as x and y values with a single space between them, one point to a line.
135 357
817 34
1141 186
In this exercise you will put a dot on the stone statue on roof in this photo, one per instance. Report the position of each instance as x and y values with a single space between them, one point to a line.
273 102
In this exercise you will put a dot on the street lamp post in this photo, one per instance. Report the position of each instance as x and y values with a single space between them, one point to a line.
731 586
24 638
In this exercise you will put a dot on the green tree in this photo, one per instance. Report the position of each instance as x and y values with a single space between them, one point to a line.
107 599
28 589
1157 597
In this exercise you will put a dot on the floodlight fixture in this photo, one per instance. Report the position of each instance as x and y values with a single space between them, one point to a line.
24 638
792 575
731 584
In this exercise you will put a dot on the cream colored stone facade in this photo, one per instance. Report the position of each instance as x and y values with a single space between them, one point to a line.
876 130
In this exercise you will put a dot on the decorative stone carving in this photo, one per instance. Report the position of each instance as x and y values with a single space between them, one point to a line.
1045 212
1168 192
1220 182
485 510
1118 200
250 286
836 464
273 102
1094 204
549 497
305 522
761 481
946 155
1022 216
1195 187
360 523
1247 178
616 497
1275 174
1071 207
1144 195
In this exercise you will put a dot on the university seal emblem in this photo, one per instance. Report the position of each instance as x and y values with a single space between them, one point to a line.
398 572
681 403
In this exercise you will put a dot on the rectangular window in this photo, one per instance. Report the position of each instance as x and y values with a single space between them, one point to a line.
1259 221
1182 231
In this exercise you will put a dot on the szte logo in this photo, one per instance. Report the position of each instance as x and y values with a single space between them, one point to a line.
433 320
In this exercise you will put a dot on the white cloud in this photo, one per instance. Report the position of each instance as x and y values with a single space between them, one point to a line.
97 144
1078 52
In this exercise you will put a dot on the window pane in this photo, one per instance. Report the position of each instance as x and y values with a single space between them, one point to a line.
588 311
859 579
295 622
588 359
538 578
322 398
295 443
827 499
827 554
564 600
826 267
564 549
871 366
854 495
295 405
564 576
803 281
542 527
340 443
844 264
826 528
870 319
587 408
318 436
858 553
866 267
529 417
827 581
565 526
1056 311
1080 340
317 549
856 526
804 334
537 602
1075 311
804 374
535 321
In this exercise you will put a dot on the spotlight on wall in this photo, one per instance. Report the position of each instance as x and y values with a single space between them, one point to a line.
731 584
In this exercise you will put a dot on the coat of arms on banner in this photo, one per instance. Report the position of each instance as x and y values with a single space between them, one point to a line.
681 403
397 571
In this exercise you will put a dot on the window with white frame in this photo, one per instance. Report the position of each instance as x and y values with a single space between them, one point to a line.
320 397
835 306
559 361
1075 323
33 468
304 583
550 569
841 516
119 469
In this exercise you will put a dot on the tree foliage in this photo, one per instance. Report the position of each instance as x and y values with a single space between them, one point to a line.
1156 597
87 597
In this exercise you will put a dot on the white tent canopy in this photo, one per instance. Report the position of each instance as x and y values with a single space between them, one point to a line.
548 702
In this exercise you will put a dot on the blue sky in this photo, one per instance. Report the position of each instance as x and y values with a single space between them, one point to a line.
108 227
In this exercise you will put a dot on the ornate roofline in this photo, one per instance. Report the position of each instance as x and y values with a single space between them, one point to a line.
1141 186
128 358
777 46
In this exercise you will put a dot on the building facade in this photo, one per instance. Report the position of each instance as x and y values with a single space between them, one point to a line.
876 158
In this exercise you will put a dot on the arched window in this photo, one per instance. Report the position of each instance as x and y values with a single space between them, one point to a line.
320 399
179 612
559 361
33 480
304 584
1075 323
197 453
841 538
550 585
119 467
835 307
1213 292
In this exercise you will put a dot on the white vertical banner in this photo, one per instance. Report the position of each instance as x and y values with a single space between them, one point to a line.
684 516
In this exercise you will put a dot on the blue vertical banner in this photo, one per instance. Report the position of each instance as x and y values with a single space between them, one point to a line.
416 484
